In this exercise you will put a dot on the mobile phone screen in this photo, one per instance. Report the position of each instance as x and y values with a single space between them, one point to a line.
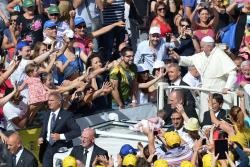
220 147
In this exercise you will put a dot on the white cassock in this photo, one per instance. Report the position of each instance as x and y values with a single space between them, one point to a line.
217 71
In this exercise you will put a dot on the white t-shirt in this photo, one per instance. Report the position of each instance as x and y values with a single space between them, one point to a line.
11 111
19 75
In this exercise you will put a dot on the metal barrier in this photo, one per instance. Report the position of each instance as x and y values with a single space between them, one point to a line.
162 86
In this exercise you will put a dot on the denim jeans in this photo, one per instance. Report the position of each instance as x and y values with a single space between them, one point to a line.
96 24
116 34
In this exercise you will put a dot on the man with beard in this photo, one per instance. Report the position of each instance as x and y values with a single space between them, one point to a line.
123 78
155 48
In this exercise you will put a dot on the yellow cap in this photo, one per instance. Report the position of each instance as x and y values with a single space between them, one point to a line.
129 159
160 163
186 164
99 166
69 161
172 138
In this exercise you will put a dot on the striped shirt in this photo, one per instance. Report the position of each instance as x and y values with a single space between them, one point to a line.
175 156
114 12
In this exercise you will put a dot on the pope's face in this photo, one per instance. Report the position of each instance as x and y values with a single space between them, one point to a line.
207 48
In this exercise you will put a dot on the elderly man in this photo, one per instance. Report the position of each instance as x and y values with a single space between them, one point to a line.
20 156
88 150
155 48
217 71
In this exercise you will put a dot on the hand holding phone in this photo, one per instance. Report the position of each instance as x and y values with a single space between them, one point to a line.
221 147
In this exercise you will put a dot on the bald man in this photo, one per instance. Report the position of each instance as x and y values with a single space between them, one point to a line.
88 150
20 156
174 98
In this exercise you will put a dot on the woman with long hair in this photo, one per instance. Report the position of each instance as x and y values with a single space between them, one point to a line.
160 18
206 24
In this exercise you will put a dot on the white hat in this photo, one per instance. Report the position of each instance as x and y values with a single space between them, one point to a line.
69 33
155 30
207 39
142 67
192 124
159 64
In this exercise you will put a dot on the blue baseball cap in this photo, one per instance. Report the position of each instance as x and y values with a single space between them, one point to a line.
79 20
127 149
49 24
21 44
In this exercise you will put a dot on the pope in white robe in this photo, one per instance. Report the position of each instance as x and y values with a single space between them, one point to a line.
216 69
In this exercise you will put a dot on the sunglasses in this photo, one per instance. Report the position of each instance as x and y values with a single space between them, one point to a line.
185 25
160 9
52 28
54 14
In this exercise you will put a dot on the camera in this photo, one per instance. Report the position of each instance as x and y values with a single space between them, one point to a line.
79 93
156 132
19 58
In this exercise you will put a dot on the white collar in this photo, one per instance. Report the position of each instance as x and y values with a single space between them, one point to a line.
177 82
55 112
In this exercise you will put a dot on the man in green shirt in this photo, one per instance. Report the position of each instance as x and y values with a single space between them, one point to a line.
124 79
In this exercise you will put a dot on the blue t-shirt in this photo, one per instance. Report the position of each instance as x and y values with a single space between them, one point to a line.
73 67
247 122
189 3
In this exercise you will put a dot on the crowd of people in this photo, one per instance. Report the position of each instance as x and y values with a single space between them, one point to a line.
65 59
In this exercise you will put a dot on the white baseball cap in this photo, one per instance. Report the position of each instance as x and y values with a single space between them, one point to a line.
142 67
158 64
155 30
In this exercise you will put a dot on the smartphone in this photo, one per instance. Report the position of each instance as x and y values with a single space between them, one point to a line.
79 93
156 132
220 147
204 142
19 58
168 37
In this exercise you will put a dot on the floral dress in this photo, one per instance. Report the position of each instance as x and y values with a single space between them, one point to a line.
31 29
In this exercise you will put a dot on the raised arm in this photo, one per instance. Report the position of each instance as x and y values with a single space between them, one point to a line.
77 3
5 99
107 28
214 22
9 71
43 57
230 9
180 109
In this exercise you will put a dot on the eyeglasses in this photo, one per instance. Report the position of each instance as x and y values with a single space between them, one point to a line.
160 9
54 14
185 25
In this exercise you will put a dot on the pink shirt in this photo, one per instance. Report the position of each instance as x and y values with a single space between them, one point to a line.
37 92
